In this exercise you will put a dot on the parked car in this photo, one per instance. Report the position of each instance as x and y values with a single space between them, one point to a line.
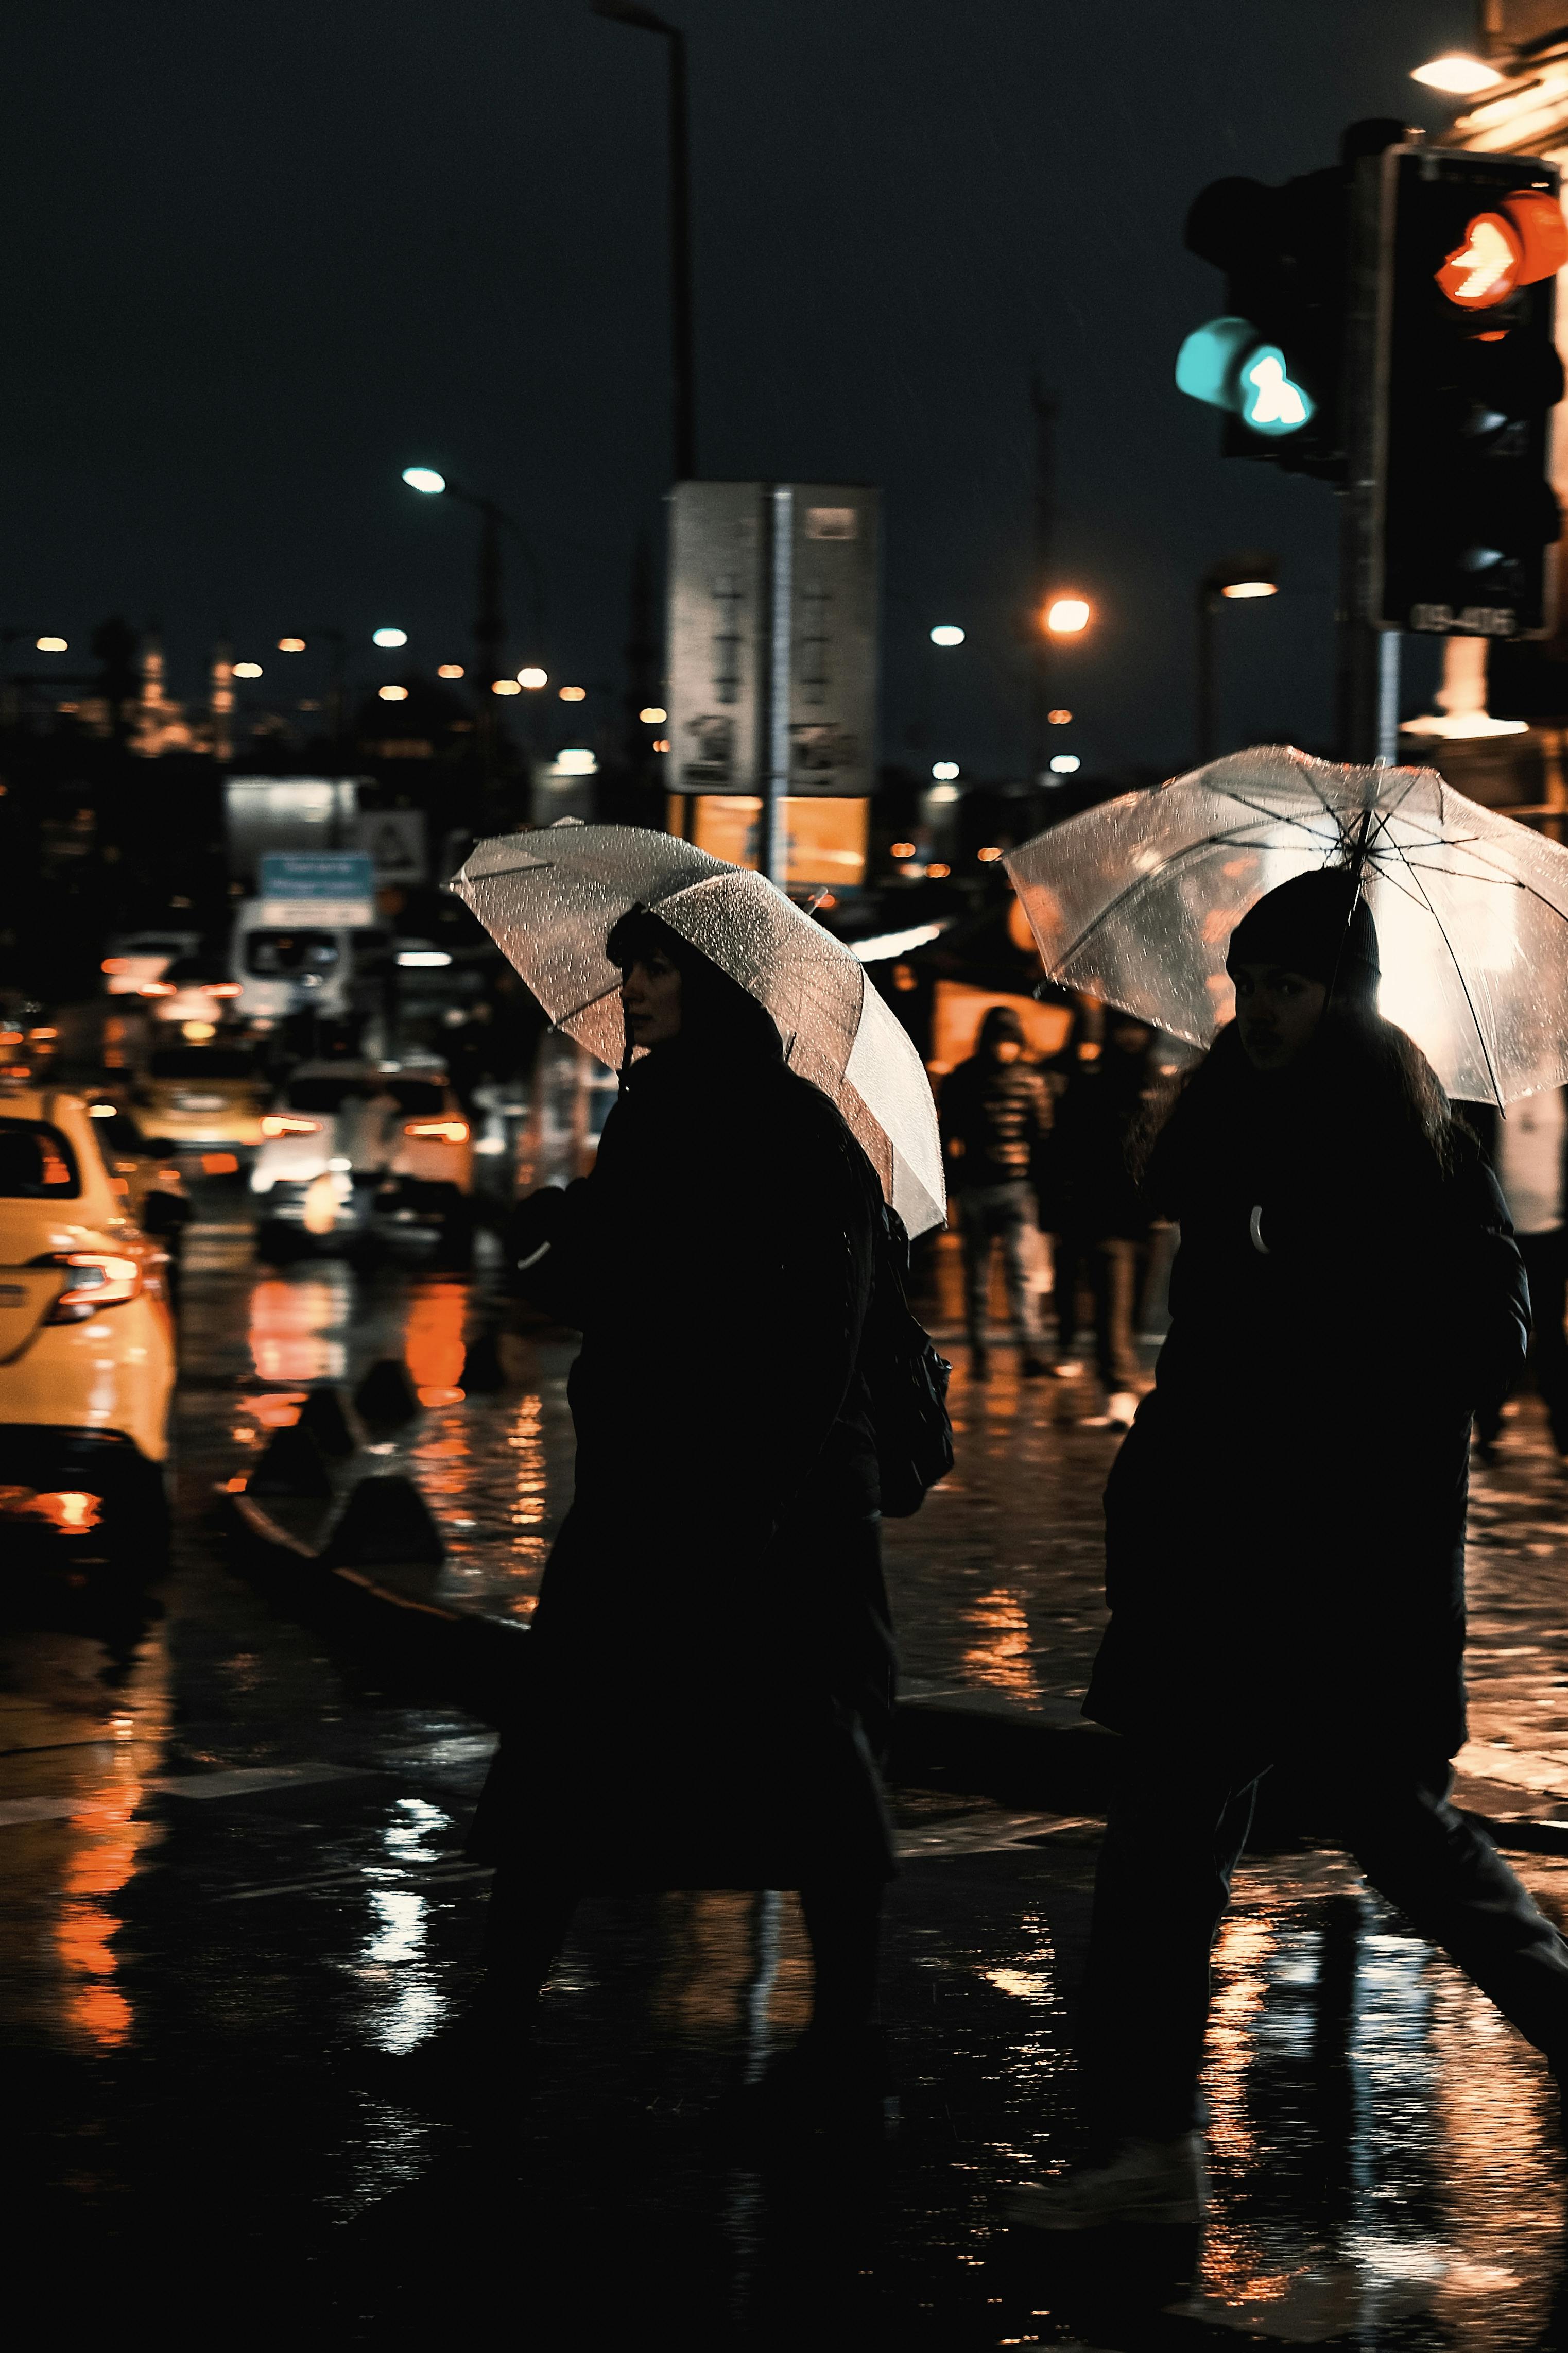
87 1340
205 1098
358 1154
196 994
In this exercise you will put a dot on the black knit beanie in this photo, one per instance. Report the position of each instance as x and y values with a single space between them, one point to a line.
1317 925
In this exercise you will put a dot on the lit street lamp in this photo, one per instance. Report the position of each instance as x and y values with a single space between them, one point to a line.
1458 74
682 337
1238 580
1068 616
489 622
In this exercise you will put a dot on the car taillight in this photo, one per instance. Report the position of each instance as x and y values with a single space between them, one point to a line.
156 988
439 1131
224 988
97 1280
113 963
284 1122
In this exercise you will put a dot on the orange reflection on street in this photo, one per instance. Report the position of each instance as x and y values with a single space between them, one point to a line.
1238 2267
433 1340
106 1842
289 1323
1001 1660
525 1439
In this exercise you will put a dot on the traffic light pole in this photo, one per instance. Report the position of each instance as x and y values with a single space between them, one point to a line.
1368 658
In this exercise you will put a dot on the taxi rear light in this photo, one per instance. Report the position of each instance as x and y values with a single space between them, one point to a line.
224 988
284 1122
439 1131
97 1279
113 963
157 989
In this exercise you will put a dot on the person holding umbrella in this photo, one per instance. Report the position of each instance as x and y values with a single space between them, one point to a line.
1285 1528
996 1116
710 1667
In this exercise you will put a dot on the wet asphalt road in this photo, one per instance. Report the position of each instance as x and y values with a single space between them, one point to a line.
234 1864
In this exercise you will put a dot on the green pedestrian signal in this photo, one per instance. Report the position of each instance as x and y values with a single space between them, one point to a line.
1230 366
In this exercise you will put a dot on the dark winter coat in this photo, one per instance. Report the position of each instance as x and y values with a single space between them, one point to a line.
999 1114
1086 1183
1285 1524
709 1667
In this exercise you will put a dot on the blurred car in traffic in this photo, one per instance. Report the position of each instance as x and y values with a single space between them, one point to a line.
195 993
87 1340
328 969
148 1183
134 958
205 1098
355 1155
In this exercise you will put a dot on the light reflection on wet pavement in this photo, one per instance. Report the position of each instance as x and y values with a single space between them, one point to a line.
227 1861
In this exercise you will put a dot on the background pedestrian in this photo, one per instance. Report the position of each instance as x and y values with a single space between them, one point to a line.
995 1114
1528 1149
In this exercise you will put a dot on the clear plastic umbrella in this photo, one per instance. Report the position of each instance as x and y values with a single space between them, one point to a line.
1135 902
549 900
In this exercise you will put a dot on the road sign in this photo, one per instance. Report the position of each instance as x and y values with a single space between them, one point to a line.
773 638
327 886
394 841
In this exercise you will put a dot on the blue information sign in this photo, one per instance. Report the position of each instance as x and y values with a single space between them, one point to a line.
317 874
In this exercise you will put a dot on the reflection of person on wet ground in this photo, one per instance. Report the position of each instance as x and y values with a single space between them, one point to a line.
709 1668
1285 1529
995 1114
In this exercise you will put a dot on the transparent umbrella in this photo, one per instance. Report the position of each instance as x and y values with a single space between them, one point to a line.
549 900
1135 902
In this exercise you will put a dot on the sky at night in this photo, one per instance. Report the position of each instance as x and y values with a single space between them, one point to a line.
261 257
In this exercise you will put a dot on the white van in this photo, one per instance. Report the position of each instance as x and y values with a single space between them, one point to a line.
284 969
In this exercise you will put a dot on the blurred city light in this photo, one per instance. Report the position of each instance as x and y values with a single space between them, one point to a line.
661 743
450 670
1065 616
897 944
389 636
423 478
938 872
577 762
945 770
53 645
942 793
534 676
652 715
988 857
291 644
1459 75
393 694
1059 718
506 685
1066 763
1250 589
574 694
248 670
947 633
423 959
902 850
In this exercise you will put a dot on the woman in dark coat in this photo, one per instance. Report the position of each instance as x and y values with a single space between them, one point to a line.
709 1673
1285 1525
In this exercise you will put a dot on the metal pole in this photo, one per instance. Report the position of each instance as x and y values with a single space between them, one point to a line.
490 631
1388 699
682 326
774 845
1207 605
1044 406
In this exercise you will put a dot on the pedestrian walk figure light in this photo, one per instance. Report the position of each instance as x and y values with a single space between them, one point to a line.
1229 366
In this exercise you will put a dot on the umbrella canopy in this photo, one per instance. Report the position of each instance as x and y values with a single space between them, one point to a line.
550 899
1135 902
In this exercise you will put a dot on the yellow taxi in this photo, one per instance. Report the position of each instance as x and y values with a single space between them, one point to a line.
204 1099
86 1339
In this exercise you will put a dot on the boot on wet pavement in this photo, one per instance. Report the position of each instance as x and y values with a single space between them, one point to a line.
1156 2183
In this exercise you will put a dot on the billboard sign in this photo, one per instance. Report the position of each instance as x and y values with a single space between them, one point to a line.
728 642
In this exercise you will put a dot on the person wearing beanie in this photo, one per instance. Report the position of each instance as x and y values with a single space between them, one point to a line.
995 1114
1285 1527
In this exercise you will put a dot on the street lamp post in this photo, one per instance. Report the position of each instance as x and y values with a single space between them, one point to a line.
682 329
1237 579
490 619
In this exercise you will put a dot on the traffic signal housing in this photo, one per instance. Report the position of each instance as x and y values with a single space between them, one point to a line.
1275 362
1465 377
